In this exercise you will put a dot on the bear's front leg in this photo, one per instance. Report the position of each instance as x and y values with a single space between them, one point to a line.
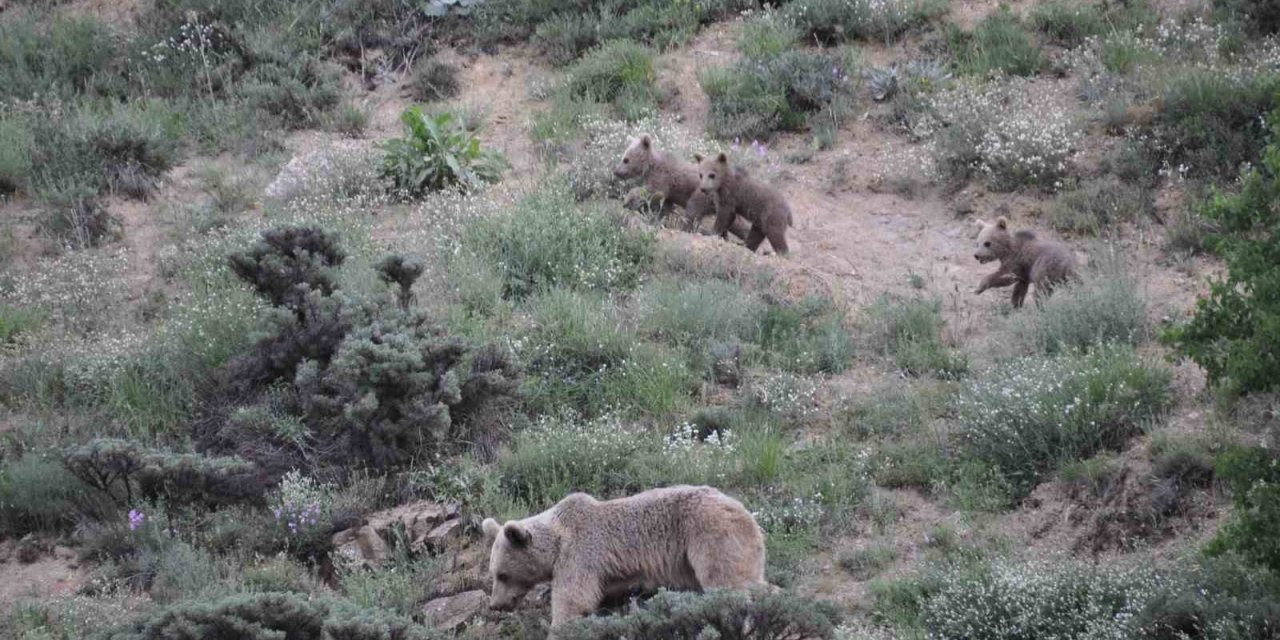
573 598
995 281
725 217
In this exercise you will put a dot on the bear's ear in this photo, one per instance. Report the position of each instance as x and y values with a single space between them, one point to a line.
1003 223
490 527
697 157
517 535
722 158
982 224
646 141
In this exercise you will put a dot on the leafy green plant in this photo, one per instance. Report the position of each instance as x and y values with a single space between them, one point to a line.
1253 474
1235 333
437 153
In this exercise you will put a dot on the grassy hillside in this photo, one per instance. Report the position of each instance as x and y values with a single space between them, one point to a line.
272 270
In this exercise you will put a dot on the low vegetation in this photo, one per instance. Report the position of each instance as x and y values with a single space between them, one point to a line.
235 322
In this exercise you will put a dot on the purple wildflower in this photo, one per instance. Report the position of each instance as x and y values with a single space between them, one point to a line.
135 519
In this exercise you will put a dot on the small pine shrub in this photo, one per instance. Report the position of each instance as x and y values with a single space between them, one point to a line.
269 616
289 262
1028 417
437 153
401 272
620 73
395 389
910 332
123 469
720 614
1000 45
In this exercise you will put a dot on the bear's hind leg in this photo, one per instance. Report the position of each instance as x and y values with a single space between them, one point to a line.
1019 293
754 238
777 234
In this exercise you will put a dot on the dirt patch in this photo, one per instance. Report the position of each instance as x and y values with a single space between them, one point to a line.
52 574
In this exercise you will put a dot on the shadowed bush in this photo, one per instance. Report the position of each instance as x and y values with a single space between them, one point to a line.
721 614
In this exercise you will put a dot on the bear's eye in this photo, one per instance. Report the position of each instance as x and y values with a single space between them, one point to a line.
626 161
987 243
502 577
712 176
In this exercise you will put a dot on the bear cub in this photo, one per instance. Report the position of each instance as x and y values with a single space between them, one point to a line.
679 537
1024 260
733 193
667 181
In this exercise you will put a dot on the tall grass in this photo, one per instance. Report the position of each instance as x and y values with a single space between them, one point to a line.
910 332
620 73
999 44
1107 307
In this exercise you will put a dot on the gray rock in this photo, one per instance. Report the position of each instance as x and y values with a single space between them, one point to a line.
447 614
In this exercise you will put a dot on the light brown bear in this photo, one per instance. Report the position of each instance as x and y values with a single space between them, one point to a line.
1024 260
668 181
734 193
679 537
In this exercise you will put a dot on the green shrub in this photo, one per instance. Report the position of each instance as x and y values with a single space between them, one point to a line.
999 44
1253 474
1099 206
620 73
59 58
433 80
836 21
910 332
15 321
15 155
437 153
40 495
767 35
123 469
556 456
753 98
399 589
1209 124
809 336
1027 417
269 616
864 564
719 614
1259 16
1106 307
549 241
398 389
696 313
184 572
1236 329
1068 23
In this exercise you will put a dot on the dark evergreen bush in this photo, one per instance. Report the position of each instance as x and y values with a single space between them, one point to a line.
401 271
123 469
727 615
270 616
289 262
387 395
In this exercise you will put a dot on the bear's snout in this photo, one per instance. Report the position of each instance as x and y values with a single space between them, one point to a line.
501 605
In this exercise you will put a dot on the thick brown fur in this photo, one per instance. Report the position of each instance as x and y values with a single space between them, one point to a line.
1024 260
680 537
668 181
734 193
